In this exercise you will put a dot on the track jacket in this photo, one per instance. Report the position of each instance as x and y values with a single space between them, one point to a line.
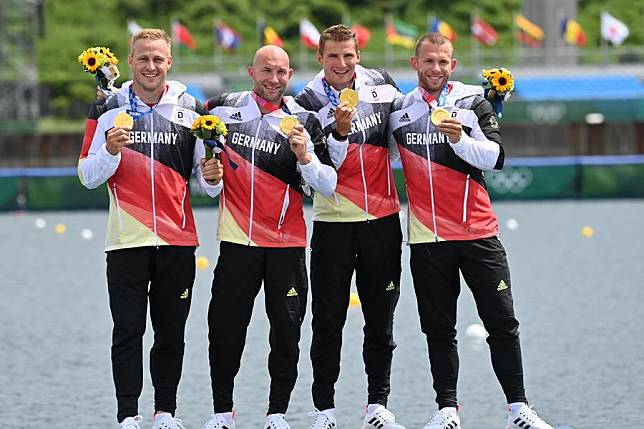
148 182
448 199
261 201
366 187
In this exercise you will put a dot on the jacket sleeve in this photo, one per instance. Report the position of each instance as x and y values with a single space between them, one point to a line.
95 164
482 148
336 150
321 177
199 153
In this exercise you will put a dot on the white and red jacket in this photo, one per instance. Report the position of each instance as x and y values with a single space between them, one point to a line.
448 199
366 187
261 201
148 182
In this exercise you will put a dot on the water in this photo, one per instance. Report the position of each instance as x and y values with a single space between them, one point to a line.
579 301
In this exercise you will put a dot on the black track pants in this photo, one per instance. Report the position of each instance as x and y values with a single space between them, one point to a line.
237 279
373 250
435 271
163 275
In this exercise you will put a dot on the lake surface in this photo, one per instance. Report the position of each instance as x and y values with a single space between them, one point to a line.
579 299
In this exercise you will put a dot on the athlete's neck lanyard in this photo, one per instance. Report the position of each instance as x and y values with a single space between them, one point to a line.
441 98
329 92
267 105
136 115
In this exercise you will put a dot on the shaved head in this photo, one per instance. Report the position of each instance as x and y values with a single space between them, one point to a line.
271 52
270 73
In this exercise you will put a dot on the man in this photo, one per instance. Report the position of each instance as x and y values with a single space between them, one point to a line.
262 231
357 229
151 235
452 226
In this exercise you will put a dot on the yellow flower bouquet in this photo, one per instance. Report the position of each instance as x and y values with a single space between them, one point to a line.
101 62
213 132
498 86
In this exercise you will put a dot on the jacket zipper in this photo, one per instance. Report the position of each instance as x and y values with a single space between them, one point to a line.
285 204
183 209
154 210
467 191
364 178
118 207
431 183
252 184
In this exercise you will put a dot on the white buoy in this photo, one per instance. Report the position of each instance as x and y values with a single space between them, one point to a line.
512 224
476 331
87 234
40 223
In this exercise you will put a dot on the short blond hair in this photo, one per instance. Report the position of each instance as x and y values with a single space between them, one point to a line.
337 33
149 34
433 39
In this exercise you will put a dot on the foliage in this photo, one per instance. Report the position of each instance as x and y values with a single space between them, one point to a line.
72 25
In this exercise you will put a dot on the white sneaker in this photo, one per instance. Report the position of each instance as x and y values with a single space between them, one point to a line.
276 421
131 423
220 421
445 418
323 419
380 418
166 421
524 418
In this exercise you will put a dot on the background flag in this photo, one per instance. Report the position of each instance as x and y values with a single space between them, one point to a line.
400 33
442 27
572 32
227 38
529 33
309 35
484 32
133 26
613 30
269 36
182 36
363 35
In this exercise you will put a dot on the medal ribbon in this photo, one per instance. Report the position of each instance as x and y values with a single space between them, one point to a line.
136 115
441 98
267 105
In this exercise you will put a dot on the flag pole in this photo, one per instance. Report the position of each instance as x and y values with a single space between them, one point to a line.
302 51
388 48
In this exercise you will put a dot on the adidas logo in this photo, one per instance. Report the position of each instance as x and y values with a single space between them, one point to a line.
405 118
390 287
184 295
291 292
502 286
236 116
330 114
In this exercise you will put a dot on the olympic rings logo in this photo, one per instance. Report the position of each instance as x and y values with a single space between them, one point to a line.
512 179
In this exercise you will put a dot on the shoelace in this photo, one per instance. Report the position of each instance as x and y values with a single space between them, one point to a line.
531 415
277 421
440 417
385 416
322 421
215 422
177 422
134 423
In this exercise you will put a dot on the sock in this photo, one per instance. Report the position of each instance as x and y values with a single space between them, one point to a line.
162 414
452 410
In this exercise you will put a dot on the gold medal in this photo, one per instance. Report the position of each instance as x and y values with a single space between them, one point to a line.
287 123
350 97
123 120
438 115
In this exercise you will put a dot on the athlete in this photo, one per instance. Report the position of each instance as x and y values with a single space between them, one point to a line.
151 235
453 228
267 167
357 228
